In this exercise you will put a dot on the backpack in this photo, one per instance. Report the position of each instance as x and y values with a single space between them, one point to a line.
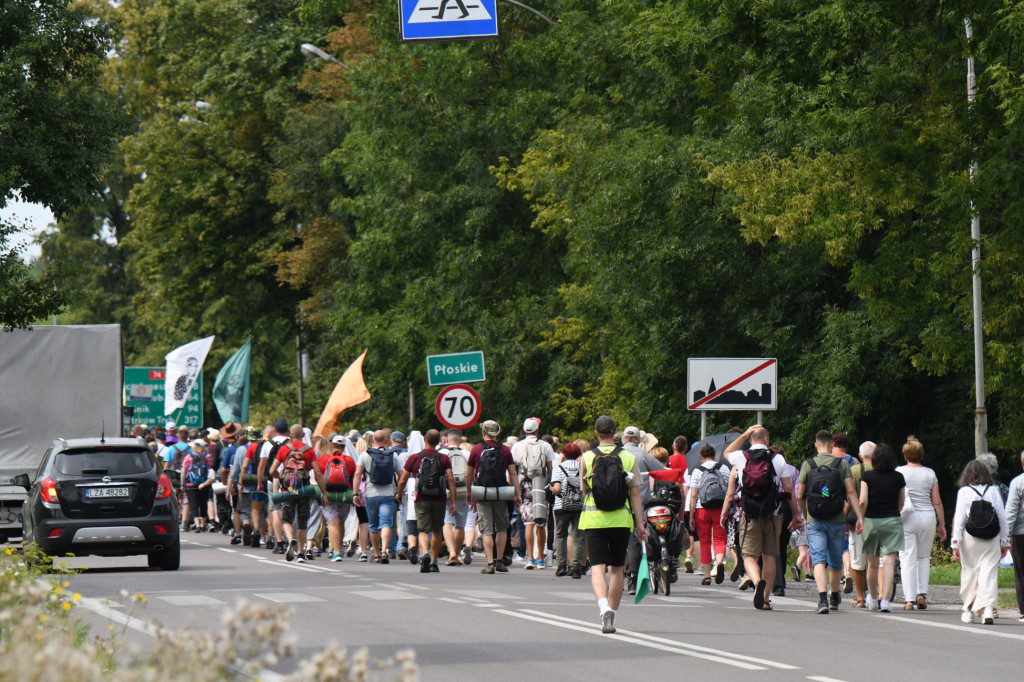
383 470
760 490
198 470
492 468
826 490
459 466
335 478
428 479
711 489
294 474
179 456
572 493
982 521
534 461
608 481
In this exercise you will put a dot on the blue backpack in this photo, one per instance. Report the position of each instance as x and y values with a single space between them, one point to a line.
198 470
383 470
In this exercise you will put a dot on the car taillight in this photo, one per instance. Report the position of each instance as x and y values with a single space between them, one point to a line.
55 532
159 528
163 487
48 491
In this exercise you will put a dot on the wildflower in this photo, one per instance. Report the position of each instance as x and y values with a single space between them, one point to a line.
76 596
66 606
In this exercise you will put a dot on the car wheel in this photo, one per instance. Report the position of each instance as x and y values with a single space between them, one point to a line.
167 559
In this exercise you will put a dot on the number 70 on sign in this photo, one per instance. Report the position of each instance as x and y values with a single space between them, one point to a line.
458 406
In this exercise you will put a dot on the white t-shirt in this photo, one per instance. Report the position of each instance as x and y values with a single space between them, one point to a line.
702 470
738 460
919 487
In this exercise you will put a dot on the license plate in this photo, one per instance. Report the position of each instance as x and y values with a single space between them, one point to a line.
95 493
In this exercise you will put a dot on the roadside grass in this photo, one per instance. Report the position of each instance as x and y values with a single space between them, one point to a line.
949 574
40 629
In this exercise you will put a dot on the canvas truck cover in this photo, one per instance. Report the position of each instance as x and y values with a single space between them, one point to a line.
56 382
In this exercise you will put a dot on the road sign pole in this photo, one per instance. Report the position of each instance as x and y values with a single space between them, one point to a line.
703 424
759 418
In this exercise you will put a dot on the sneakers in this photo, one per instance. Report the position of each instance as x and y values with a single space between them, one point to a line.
335 556
746 584
719 571
466 555
808 578
414 556
279 548
364 557
795 572
425 564
529 565
872 603
301 559
500 566
237 540
884 606
631 584
1021 619
823 608
293 550
688 563
351 549
488 569
575 574
310 556
847 584
834 599
539 564
608 622
987 616
968 617
271 542
561 570
434 568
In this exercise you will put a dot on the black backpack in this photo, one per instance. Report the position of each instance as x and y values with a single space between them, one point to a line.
982 521
492 468
383 470
608 481
826 490
428 480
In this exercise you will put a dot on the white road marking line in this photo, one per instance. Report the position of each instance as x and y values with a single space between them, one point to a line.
413 587
297 567
192 600
474 599
450 600
819 678
631 640
977 629
486 606
225 549
387 595
253 556
672 642
287 597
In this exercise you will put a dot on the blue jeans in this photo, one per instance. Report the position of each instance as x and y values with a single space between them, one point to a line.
826 541
381 512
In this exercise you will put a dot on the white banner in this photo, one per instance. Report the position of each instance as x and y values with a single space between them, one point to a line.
183 365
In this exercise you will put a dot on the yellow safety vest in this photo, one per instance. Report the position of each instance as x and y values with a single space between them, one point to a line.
592 517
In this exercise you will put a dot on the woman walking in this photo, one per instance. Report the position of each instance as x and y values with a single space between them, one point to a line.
882 489
709 483
978 543
919 525
565 484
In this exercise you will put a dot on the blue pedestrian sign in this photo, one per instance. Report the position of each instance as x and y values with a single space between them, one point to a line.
423 20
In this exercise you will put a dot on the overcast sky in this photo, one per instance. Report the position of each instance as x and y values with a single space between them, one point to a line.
36 217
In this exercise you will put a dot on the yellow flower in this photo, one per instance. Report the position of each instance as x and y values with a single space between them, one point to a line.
66 606
43 618
9 551
67 584
57 589
76 596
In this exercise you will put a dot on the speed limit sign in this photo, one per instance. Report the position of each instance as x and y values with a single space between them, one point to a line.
458 406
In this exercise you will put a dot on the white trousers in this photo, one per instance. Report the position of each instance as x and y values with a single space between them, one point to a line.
979 572
915 559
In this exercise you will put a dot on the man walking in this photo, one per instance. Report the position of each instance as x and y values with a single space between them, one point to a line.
432 471
612 509
292 466
825 484
534 458
491 465
268 454
858 562
1015 524
458 525
379 465
645 463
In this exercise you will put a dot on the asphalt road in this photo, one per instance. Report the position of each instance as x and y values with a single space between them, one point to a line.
532 625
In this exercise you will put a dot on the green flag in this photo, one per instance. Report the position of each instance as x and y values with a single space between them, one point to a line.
643 577
231 389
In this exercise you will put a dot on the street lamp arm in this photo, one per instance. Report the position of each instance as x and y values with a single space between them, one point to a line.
313 52
531 10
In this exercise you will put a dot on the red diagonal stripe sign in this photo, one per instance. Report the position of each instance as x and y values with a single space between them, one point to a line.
723 389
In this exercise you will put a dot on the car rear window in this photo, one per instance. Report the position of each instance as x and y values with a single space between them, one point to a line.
112 462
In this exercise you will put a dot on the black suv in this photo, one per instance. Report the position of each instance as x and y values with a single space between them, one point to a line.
103 496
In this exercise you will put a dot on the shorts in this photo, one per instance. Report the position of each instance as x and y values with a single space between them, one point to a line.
271 505
858 562
760 537
362 516
492 516
197 499
410 527
461 517
336 511
826 541
243 505
798 540
607 546
883 536
430 516
259 497
296 513
380 511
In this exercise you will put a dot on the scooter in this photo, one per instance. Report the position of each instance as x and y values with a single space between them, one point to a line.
667 539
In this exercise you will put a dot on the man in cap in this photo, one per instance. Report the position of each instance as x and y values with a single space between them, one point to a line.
608 532
293 471
534 457
335 513
645 463
492 515
379 464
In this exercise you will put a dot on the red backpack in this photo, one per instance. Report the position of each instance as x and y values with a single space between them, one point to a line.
294 474
335 477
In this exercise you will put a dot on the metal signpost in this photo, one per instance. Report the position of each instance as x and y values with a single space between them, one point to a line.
455 368
144 391
731 384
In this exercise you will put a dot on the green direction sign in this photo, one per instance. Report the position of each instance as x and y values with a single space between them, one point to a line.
144 390
455 368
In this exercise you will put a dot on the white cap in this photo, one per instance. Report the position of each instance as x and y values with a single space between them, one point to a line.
531 425
170 426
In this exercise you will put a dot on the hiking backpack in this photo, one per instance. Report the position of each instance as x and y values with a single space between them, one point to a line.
572 493
383 470
459 466
179 456
712 489
335 478
492 468
428 479
760 490
982 521
608 481
294 474
198 470
826 490
534 462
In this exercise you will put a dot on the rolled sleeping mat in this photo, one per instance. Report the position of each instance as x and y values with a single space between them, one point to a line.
540 500
313 493
219 488
505 492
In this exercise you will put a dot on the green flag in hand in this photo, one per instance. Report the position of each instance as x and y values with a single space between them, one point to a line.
231 389
643 577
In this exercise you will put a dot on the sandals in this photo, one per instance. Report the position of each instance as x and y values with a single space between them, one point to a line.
453 562
767 606
705 581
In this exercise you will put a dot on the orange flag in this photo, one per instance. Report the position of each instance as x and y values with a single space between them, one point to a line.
350 391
